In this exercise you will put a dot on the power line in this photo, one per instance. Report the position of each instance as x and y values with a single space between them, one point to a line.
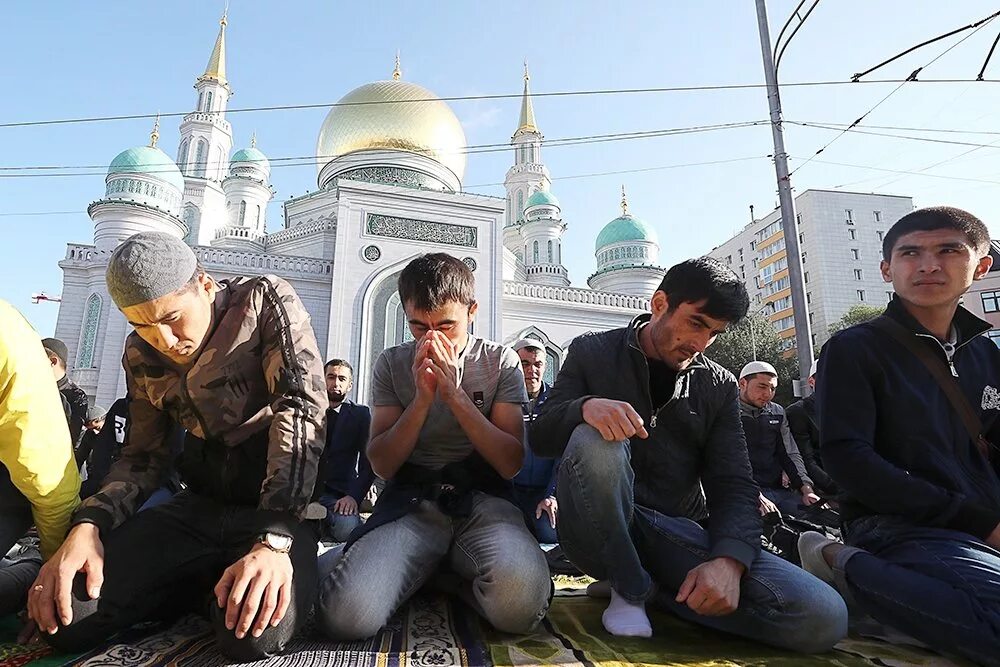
49 171
913 77
950 142
462 98
901 171
487 185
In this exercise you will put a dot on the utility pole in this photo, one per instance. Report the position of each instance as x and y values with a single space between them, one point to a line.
803 333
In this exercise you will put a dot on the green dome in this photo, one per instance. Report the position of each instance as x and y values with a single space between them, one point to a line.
625 228
253 155
148 160
542 198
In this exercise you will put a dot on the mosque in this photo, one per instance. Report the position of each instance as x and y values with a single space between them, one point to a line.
391 157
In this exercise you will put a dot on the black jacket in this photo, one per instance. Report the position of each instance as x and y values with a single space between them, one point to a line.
78 406
695 439
344 468
771 447
804 424
890 437
100 450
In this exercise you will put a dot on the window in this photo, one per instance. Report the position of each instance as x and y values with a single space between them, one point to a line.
182 155
754 261
849 215
729 260
785 323
781 304
814 340
243 212
809 297
201 100
520 206
743 272
208 101
259 220
854 237
741 254
994 336
805 276
810 319
802 238
798 218
855 254
861 295
878 216
888 297
753 245
199 159
550 252
88 341
991 302
534 252
881 236
858 275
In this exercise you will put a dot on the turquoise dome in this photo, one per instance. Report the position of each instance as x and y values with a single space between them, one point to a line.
626 228
542 198
148 160
253 155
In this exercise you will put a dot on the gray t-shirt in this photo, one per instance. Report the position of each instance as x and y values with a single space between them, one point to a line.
490 373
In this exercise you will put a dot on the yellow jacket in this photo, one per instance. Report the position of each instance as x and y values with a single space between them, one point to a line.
34 438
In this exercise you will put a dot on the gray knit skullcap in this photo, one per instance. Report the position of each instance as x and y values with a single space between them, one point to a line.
95 412
147 266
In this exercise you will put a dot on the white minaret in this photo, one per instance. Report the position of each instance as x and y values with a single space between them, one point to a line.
526 175
203 155
541 238
247 191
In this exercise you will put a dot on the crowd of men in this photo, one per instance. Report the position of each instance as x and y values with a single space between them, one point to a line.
237 450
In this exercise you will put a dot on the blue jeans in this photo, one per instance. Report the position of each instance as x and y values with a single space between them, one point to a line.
939 586
505 578
338 526
646 554
789 502
527 498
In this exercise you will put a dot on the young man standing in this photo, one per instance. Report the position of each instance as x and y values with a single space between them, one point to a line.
446 435
773 453
921 496
236 364
535 484
345 474
74 396
655 487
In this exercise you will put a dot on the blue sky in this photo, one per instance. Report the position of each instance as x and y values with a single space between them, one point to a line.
67 59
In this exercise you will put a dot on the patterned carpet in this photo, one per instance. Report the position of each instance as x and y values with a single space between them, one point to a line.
433 632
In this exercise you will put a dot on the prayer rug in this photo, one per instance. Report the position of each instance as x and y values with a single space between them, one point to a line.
432 631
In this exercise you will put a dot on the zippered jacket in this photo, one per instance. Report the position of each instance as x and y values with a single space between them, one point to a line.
695 439
252 404
890 437
771 447
35 446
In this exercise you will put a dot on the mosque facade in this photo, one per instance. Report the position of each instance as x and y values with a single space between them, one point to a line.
391 157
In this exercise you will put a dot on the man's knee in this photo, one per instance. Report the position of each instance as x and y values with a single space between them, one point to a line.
271 642
91 622
349 613
520 593
588 454
820 621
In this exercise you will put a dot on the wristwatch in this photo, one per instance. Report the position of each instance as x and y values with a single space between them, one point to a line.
281 544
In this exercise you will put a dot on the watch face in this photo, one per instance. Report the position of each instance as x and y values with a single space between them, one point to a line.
278 542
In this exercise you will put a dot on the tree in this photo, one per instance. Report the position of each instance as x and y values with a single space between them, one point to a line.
734 349
856 314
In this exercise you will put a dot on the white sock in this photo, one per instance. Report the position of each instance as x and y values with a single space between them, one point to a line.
626 619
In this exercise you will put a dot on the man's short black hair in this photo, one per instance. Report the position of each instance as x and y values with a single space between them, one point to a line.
430 281
339 362
709 280
934 218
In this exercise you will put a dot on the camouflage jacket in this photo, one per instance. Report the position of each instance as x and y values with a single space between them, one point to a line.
253 404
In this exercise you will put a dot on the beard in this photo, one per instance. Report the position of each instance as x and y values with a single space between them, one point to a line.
336 396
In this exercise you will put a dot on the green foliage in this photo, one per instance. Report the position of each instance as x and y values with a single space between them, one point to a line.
857 314
734 349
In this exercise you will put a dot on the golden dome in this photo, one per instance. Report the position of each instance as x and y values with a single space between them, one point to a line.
428 126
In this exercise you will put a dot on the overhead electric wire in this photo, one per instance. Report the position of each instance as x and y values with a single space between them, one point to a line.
311 160
913 77
950 142
779 54
901 171
461 98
